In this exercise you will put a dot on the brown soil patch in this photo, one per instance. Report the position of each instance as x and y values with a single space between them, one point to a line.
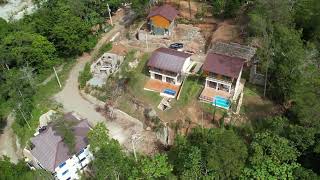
119 49
227 32
183 8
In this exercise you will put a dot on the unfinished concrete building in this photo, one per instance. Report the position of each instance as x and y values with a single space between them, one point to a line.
107 64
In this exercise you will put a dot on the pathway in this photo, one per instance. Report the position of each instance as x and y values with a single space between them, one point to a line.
71 99
8 142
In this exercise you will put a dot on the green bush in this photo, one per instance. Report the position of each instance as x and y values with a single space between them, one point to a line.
105 48
85 76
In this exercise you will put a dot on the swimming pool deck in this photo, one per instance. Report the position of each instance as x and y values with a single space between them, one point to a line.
208 94
159 86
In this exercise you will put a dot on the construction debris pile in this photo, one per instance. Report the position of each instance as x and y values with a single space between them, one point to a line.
191 37
107 64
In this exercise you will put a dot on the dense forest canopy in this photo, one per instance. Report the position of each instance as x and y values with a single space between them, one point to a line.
56 32
284 147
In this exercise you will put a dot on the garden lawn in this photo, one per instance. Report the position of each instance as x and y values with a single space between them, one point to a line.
190 91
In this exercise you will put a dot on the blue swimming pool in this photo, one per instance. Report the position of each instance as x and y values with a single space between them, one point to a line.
221 102
170 92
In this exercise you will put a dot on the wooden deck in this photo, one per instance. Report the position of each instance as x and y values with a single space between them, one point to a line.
159 86
208 94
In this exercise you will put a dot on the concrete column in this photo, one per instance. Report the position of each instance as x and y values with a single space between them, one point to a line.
163 78
152 75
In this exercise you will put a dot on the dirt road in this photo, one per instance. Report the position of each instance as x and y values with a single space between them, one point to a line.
123 127
8 144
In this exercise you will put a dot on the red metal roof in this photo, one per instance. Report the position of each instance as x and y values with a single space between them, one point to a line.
165 11
223 65
168 59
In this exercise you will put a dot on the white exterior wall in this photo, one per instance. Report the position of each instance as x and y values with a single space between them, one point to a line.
186 64
218 82
74 165
237 84
164 76
184 70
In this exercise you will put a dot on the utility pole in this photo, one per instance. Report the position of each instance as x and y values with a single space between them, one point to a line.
134 150
27 74
55 72
19 108
135 138
109 10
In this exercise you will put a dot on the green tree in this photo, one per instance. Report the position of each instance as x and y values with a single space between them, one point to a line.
226 155
110 161
10 171
187 160
64 129
5 28
305 174
70 34
154 167
18 93
223 153
286 69
19 49
226 8
274 11
302 137
84 76
140 6
271 157
307 17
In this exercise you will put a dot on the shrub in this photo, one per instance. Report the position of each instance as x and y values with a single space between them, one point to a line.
85 76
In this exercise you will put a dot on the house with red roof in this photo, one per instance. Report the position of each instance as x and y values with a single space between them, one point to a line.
223 76
168 68
161 19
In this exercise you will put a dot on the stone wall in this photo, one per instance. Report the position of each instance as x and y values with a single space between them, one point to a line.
256 78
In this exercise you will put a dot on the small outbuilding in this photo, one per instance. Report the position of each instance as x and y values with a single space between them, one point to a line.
161 20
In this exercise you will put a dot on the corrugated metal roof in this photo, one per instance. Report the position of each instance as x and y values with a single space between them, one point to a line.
165 11
168 59
234 50
223 64
49 148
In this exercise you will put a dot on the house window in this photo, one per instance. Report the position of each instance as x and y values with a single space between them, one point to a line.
170 80
223 87
82 159
212 84
158 76
65 172
62 164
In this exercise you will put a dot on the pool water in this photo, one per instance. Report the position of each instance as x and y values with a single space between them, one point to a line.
170 92
221 102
